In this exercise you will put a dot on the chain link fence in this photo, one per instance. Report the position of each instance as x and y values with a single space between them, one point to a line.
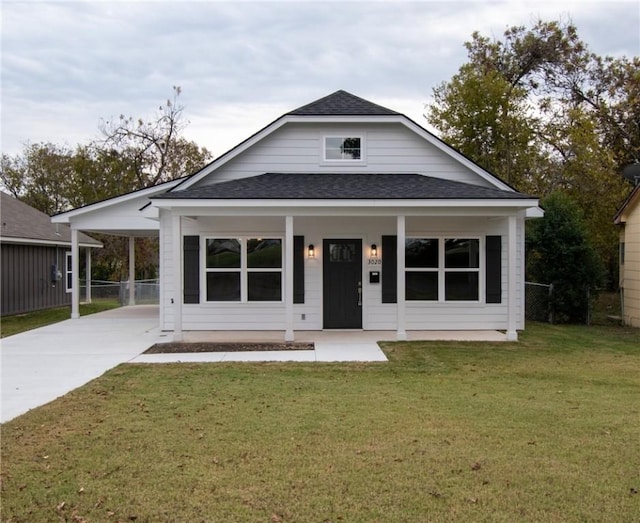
537 301
145 292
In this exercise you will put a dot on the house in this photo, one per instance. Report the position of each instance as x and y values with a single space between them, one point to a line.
340 214
36 258
628 218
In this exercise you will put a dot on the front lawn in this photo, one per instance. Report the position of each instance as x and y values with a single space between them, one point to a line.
18 323
544 430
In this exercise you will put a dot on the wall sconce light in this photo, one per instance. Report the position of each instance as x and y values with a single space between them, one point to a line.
311 252
374 250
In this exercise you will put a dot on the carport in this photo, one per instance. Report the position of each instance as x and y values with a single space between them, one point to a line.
128 216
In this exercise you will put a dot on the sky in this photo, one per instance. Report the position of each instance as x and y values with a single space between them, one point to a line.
67 65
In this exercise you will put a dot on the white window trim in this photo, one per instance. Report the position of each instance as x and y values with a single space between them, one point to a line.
68 262
441 270
244 270
343 161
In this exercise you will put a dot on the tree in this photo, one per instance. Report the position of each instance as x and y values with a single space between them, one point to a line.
40 177
154 150
559 252
134 155
539 110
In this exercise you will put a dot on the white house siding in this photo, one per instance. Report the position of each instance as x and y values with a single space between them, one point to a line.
376 315
389 148
630 277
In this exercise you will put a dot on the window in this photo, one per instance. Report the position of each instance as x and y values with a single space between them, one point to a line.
68 272
343 148
438 269
421 276
243 269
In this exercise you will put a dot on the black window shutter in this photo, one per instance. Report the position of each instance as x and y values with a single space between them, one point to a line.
191 282
298 269
389 269
493 269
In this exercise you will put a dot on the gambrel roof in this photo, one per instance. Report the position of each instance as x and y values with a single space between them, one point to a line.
343 186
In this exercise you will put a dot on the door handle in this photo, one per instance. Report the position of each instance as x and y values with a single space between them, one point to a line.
359 294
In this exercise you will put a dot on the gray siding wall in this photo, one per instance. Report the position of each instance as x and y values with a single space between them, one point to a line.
26 278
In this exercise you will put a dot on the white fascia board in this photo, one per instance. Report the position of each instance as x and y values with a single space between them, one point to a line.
65 217
52 243
345 208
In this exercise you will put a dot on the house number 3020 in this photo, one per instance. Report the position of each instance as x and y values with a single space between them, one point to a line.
375 261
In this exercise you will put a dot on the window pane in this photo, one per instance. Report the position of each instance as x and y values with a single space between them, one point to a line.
461 254
461 286
223 254
420 252
342 148
223 286
421 285
342 252
264 254
265 286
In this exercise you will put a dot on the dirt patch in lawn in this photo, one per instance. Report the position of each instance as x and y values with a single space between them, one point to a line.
172 348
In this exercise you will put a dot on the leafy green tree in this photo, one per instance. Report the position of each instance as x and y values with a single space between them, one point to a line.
559 252
542 112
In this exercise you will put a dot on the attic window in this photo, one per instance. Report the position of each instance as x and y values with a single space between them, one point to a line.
343 148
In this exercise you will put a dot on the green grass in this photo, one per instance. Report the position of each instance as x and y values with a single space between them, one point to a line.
18 323
543 430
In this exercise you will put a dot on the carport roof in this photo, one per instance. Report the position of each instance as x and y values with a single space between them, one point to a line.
355 186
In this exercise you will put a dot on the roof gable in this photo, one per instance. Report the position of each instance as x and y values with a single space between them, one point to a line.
342 103
627 207
343 108
23 222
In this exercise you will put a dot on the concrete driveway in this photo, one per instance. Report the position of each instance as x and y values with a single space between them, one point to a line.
42 364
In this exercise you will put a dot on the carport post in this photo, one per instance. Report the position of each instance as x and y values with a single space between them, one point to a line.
88 275
132 270
75 275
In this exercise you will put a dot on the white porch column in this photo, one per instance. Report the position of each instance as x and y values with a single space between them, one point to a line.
132 270
176 246
512 333
88 274
75 275
288 275
401 234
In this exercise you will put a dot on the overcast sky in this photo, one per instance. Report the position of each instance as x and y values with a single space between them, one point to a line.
67 65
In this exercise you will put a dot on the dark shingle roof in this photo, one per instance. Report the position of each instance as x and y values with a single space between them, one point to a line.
21 221
342 103
314 186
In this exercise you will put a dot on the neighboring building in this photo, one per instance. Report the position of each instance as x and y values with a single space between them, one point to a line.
341 214
628 218
36 259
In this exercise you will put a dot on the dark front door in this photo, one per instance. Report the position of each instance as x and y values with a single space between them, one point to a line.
342 287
